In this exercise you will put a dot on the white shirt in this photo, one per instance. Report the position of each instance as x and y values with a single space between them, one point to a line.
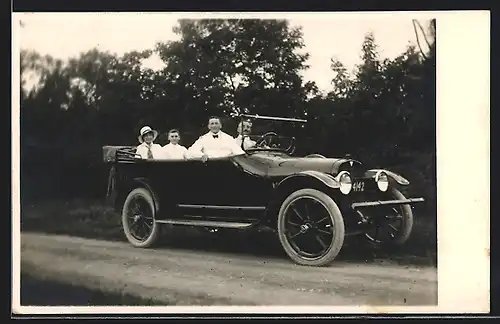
174 151
248 143
222 146
156 149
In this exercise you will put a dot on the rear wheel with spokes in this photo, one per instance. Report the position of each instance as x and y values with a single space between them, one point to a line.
310 227
138 218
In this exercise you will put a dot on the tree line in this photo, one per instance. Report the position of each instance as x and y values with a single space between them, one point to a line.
383 112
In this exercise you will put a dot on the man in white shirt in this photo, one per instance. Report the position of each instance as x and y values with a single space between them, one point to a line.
215 143
244 129
173 150
147 149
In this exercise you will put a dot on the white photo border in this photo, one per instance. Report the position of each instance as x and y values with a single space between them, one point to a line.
463 119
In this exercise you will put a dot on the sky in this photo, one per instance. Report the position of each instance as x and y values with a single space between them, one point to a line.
326 35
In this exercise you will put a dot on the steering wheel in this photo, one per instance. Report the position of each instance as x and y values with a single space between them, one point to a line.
291 148
266 140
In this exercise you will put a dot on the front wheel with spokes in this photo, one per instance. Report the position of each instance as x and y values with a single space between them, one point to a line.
310 227
138 218
391 225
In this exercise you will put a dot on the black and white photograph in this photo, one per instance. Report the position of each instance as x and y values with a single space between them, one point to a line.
173 160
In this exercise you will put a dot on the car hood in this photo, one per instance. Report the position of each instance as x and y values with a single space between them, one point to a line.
280 166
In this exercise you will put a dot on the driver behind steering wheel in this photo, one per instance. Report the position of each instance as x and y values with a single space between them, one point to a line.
244 130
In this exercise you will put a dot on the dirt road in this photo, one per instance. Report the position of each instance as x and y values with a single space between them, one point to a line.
193 277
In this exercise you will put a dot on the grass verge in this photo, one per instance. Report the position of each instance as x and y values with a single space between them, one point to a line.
92 219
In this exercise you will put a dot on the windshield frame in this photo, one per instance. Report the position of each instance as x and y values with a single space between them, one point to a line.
250 118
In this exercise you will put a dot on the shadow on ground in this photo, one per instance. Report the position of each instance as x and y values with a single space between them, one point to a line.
266 244
93 220
38 292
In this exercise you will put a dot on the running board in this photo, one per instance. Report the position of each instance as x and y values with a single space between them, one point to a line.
219 207
387 202
205 223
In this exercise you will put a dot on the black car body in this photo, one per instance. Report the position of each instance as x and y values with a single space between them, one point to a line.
312 199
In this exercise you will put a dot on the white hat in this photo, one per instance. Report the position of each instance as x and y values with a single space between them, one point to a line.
145 130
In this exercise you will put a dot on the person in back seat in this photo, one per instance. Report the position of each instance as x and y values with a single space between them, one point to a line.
215 143
173 150
147 149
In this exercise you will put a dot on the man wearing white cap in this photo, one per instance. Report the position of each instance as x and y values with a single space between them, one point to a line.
215 143
147 149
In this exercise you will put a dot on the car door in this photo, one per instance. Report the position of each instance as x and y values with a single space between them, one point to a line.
219 188
204 183
192 179
231 186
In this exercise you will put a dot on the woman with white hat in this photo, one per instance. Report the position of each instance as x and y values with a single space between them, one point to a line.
147 149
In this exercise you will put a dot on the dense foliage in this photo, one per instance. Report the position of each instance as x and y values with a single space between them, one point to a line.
382 113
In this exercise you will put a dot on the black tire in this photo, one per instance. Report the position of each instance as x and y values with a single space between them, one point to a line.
332 214
152 229
404 231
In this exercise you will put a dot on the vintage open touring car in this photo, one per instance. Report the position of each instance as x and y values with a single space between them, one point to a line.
312 202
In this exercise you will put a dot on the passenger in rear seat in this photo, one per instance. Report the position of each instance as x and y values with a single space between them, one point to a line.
148 149
173 150
215 143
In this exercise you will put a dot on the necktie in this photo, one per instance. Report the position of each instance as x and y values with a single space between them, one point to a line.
215 136
150 153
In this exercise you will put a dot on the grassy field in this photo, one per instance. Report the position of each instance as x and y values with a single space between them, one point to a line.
92 219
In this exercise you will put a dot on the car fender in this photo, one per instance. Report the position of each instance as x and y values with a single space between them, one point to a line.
144 183
324 178
287 183
396 177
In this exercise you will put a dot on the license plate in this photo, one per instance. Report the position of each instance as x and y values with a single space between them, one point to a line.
358 186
